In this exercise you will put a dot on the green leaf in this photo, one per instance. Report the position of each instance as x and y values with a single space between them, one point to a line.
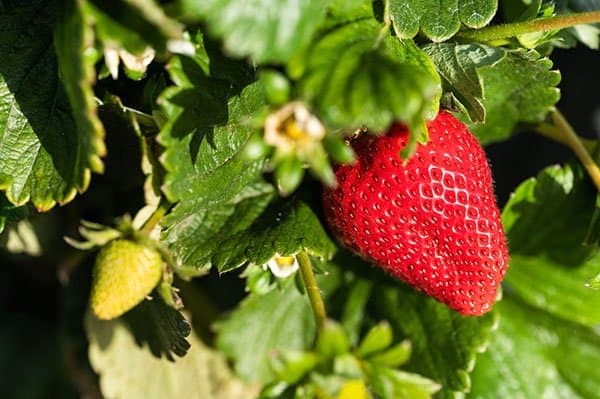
348 10
396 356
114 33
133 24
355 77
520 10
439 20
511 96
536 355
549 318
76 67
266 30
258 280
282 229
389 383
444 343
347 365
332 340
212 62
377 339
217 224
218 190
588 34
291 367
546 223
195 232
128 371
262 325
162 328
10 212
45 157
458 65
353 313
207 125
202 136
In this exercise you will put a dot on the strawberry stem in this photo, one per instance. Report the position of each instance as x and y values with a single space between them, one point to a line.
561 131
156 216
312 289
552 132
503 31
387 23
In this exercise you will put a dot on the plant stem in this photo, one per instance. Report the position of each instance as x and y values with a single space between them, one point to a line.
537 25
386 27
561 131
312 289
156 217
552 132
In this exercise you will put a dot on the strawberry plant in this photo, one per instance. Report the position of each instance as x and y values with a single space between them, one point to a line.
222 199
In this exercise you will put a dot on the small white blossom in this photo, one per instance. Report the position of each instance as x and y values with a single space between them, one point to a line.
181 46
293 126
282 266
137 63
111 59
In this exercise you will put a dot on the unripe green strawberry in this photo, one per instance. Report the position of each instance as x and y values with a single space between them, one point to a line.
124 274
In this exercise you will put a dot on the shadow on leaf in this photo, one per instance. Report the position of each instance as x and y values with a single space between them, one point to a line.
559 200
153 324
29 69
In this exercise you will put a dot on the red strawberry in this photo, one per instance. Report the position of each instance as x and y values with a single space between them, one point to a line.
433 222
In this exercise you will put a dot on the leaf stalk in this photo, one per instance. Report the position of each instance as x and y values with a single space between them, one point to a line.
560 130
156 216
504 31
312 289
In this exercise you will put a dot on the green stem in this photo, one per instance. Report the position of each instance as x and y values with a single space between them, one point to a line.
386 13
503 31
312 289
156 217
386 27
561 131
552 132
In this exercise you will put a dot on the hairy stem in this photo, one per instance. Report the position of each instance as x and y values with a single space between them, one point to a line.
312 289
503 31
561 131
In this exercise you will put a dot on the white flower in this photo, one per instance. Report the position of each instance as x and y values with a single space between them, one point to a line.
282 266
181 46
293 126
137 63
